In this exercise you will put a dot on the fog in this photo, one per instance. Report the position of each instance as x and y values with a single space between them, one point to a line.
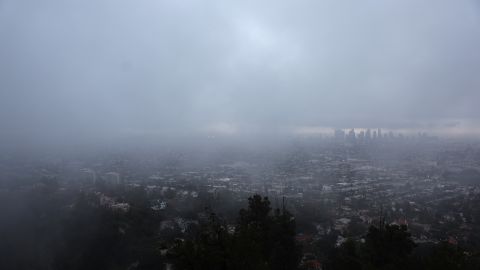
217 134
72 71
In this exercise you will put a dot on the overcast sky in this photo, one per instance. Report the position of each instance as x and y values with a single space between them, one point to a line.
138 66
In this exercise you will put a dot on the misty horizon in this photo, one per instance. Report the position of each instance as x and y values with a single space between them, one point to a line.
116 69
233 135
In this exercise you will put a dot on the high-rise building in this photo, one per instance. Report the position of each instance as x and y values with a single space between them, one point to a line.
88 176
112 178
361 136
368 135
351 136
339 135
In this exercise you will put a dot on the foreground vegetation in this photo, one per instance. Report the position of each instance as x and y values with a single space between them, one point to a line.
51 228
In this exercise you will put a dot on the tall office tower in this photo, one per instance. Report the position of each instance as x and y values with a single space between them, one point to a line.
112 178
379 133
339 135
351 136
374 135
361 136
368 135
88 176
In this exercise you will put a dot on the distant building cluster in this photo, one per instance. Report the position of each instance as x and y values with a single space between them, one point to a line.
367 136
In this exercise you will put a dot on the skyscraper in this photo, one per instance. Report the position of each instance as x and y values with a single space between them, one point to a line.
339 135
361 136
368 135
351 136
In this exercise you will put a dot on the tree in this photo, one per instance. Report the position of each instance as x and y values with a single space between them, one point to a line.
261 240
90 236
285 253
388 245
209 249
385 247
345 257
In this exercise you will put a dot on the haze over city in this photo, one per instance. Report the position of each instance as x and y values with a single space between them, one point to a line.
103 69
235 135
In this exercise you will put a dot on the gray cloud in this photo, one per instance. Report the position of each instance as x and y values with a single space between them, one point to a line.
99 68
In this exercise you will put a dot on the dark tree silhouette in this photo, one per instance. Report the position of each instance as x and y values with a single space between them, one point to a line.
388 245
262 240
